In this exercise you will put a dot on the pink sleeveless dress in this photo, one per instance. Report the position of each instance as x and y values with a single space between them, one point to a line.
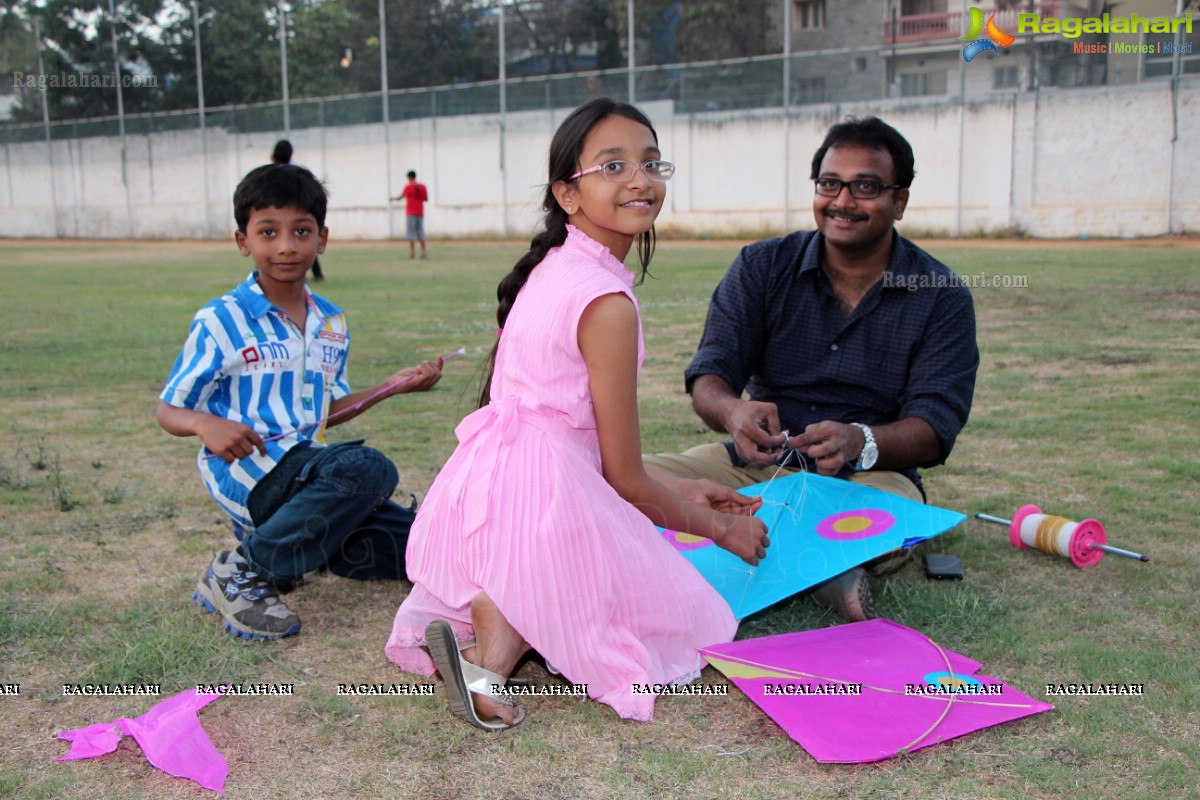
522 512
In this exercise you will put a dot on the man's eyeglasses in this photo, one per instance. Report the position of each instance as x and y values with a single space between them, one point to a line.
622 171
859 190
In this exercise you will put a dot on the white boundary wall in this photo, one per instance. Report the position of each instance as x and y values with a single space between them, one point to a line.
1103 162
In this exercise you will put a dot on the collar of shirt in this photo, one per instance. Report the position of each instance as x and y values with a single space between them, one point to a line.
902 262
254 302
905 260
580 240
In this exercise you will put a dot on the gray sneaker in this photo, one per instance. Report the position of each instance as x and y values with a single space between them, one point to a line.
249 605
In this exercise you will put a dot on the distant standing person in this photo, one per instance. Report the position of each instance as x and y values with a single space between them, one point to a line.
415 194
282 154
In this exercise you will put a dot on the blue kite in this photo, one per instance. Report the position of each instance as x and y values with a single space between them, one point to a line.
819 528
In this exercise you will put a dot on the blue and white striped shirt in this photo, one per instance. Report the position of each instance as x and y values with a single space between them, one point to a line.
244 360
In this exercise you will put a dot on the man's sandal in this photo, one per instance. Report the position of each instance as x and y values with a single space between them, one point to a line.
462 679
849 594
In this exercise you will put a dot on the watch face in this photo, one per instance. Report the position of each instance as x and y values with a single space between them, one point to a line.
869 455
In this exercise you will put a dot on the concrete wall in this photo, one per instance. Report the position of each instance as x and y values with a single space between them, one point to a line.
1110 161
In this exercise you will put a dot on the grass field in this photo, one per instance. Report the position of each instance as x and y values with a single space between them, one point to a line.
1086 405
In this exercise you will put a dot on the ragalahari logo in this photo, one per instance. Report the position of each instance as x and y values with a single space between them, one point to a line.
995 36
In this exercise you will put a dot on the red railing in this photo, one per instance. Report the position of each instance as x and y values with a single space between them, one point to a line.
941 27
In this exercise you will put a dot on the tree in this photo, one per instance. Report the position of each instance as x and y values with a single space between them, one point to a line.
240 51
439 42
428 43
712 30
334 46
18 49
239 48
321 33
567 36
678 32
77 53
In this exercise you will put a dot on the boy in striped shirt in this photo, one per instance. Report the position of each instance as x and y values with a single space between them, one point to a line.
260 378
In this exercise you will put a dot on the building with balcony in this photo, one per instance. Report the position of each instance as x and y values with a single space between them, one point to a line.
914 48
1130 65
923 40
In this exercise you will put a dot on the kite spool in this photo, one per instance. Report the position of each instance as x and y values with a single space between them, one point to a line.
1057 536
1083 542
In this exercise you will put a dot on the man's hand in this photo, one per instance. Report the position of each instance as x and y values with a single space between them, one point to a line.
831 445
754 427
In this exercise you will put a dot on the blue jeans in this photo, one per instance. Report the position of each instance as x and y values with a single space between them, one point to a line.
328 507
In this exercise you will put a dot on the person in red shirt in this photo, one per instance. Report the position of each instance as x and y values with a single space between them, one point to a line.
415 194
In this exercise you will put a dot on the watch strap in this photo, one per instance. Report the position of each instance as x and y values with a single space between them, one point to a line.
868 443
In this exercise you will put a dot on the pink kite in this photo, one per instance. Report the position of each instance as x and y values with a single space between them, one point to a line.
868 690
169 734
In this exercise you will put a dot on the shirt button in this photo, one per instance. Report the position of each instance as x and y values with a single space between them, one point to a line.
833 347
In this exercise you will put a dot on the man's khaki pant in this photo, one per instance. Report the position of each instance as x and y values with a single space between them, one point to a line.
711 461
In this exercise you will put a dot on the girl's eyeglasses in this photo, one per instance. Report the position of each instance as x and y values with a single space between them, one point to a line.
622 171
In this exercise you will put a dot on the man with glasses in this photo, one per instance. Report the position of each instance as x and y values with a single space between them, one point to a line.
855 348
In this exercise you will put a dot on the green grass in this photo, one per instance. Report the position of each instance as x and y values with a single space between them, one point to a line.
1086 406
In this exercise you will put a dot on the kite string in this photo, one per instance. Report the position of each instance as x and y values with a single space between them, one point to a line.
792 674
950 698
723 751
788 454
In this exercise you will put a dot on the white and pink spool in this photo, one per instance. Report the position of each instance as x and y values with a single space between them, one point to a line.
1084 542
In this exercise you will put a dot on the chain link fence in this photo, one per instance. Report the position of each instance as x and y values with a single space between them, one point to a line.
830 76
171 175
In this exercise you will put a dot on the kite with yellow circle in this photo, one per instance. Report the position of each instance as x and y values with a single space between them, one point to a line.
819 527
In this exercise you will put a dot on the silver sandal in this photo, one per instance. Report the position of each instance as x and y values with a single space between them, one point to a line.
462 679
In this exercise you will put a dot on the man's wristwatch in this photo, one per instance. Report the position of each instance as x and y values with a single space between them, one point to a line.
870 453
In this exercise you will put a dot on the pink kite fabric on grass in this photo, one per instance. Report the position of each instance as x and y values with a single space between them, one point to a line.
169 734
867 691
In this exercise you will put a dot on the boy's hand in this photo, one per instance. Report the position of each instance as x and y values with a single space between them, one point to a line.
416 379
227 439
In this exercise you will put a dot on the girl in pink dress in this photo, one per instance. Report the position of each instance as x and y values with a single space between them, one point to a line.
539 531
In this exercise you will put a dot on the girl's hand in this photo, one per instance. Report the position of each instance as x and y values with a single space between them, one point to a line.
745 537
717 497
